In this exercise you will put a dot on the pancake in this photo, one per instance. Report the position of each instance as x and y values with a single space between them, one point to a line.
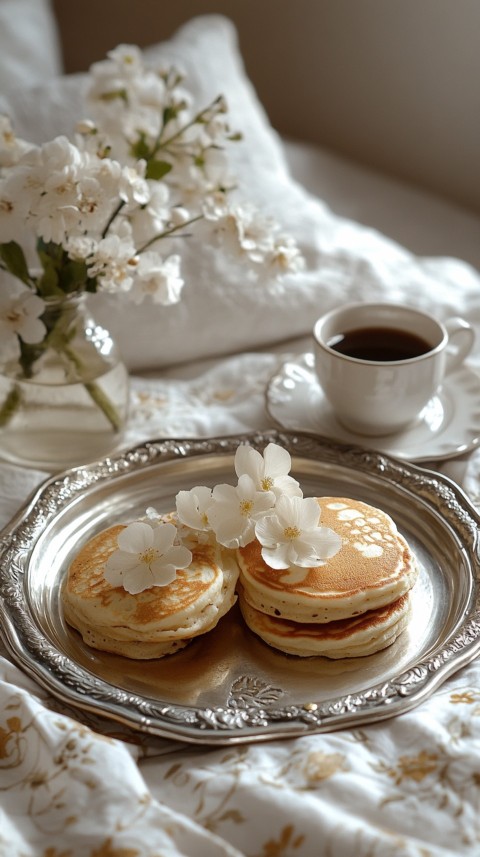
373 568
157 621
345 638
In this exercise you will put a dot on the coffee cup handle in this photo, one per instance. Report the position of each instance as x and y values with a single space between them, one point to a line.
461 338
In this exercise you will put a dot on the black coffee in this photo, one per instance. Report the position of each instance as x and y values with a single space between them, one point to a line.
381 344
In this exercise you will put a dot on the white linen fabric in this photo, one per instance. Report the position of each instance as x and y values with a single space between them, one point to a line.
222 311
29 45
75 784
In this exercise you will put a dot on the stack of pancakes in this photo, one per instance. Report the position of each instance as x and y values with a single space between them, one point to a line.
355 604
158 621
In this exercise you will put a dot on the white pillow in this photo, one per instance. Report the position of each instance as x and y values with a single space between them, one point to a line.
221 311
29 43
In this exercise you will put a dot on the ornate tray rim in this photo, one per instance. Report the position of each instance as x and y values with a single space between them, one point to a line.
230 724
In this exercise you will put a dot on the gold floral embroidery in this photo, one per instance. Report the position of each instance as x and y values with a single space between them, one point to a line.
287 840
320 766
9 739
107 849
414 767
208 811
222 395
466 696
53 852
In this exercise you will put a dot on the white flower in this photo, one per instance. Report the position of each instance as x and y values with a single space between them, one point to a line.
291 535
210 170
133 188
269 471
193 507
11 147
147 556
286 255
235 511
127 59
215 206
114 262
150 220
158 278
19 317
80 247
247 232
14 206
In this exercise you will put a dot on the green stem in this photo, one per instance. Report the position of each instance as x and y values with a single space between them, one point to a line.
14 399
112 217
170 232
162 144
104 403
10 405
95 392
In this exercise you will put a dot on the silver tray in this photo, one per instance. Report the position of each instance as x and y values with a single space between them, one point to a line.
228 687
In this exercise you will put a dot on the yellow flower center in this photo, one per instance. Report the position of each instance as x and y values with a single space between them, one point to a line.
246 507
13 316
291 533
149 555
267 483
204 519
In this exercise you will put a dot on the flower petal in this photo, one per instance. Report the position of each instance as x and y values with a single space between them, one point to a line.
276 557
277 460
121 561
163 574
138 580
249 461
136 538
163 537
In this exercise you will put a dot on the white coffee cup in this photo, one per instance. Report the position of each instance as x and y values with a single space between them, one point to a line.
384 396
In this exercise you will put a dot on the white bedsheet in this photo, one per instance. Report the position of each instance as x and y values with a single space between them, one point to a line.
72 784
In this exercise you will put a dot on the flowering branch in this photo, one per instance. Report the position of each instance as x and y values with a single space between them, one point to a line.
100 207
170 231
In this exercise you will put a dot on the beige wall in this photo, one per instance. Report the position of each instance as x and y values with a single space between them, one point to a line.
394 84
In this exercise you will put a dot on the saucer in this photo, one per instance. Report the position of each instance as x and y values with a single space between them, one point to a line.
448 426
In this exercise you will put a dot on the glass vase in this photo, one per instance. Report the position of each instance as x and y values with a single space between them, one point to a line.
66 402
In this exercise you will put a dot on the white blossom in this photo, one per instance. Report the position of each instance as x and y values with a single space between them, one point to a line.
193 507
11 147
235 511
158 278
94 200
152 218
270 471
291 534
20 309
286 255
114 261
14 208
133 188
147 556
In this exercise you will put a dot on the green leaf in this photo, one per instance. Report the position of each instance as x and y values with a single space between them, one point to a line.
168 114
115 93
157 169
48 285
73 276
141 150
14 260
